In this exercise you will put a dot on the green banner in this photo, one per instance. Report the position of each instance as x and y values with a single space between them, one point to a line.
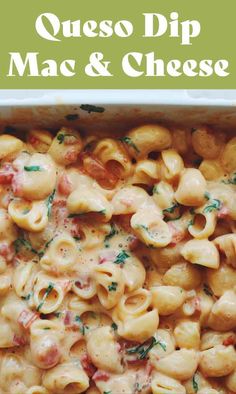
125 44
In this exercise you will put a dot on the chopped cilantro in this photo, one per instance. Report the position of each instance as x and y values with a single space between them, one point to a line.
215 205
18 243
190 223
121 257
82 327
46 294
71 117
207 290
128 141
230 181
92 108
155 190
57 314
61 137
171 209
27 210
113 286
32 168
47 328
27 297
144 349
207 195
107 392
75 215
111 234
49 202
195 384
172 219
114 326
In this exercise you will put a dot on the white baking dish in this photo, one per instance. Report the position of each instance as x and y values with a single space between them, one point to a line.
123 108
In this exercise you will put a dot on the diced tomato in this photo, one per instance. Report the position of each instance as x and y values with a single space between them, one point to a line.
223 213
197 304
6 251
149 368
33 140
66 286
98 171
49 356
106 256
124 222
6 174
26 318
64 185
19 340
133 243
229 341
68 319
17 185
71 155
177 235
87 365
83 283
101 376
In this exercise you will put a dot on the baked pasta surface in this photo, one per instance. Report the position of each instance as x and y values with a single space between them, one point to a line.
118 262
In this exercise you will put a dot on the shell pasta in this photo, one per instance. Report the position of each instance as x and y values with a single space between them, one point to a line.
118 262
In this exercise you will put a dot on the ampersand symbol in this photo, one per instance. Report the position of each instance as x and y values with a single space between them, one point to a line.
97 67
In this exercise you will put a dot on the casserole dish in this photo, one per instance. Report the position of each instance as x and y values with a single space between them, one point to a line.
117 243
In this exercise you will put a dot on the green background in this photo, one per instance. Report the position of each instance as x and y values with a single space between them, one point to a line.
216 41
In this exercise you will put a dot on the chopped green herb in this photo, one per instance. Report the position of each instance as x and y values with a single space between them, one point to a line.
32 168
190 223
47 328
107 392
72 117
75 215
27 297
207 195
230 181
195 384
114 326
111 234
138 387
215 205
49 202
197 162
144 349
82 327
207 290
61 137
113 286
77 238
121 257
92 108
18 243
171 209
155 190
57 314
128 141
46 294
26 211
102 212
48 243
172 219
192 211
